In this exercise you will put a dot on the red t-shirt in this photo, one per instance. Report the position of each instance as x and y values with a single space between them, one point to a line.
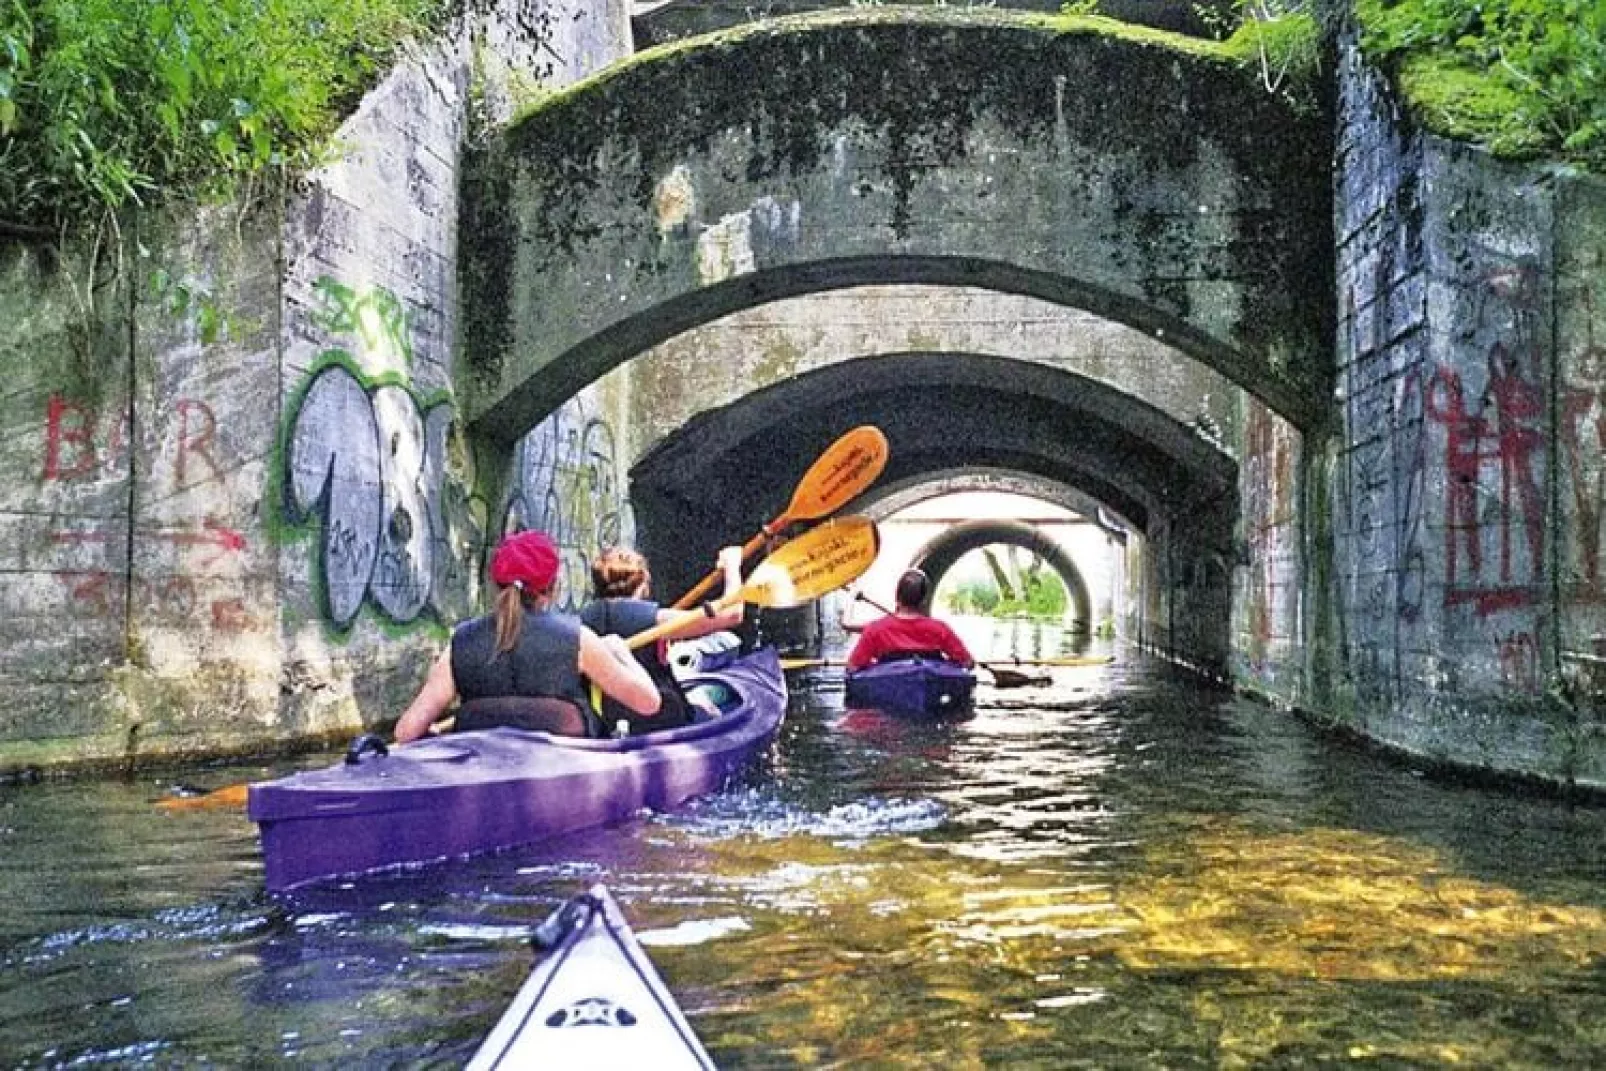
906 635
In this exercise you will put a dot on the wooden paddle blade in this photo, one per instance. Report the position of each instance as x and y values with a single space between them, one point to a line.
228 796
839 475
1011 678
836 478
820 560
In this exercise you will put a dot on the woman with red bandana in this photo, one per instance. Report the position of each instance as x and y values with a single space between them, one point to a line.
522 664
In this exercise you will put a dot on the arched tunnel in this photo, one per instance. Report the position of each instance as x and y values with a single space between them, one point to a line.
678 192
947 412
942 553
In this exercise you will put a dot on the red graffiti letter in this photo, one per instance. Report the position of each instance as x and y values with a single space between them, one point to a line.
79 435
200 442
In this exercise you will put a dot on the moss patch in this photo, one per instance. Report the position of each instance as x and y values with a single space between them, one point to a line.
1236 51
1453 99
1520 77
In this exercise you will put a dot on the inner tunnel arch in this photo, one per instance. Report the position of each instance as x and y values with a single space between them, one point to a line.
888 497
942 553
732 468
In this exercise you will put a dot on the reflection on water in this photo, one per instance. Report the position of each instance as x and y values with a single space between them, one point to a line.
1118 869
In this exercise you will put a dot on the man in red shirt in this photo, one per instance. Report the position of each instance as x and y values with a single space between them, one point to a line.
908 630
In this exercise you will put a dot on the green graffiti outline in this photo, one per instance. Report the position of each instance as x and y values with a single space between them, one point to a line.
343 309
282 532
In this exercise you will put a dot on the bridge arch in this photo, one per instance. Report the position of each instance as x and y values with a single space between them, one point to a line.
889 497
946 414
678 188
940 555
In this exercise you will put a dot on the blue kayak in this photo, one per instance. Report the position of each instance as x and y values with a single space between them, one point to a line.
913 687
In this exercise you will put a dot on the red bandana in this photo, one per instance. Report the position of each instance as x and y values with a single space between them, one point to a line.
526 558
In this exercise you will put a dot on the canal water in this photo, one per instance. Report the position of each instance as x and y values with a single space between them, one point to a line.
1114 869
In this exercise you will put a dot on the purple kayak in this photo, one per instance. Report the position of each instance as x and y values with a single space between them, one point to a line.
913 687
465 793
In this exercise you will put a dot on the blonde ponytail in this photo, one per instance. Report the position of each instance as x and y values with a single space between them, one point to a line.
511 603
509 618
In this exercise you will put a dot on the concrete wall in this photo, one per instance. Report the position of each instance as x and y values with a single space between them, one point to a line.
1466 475
1267 564
65 452
240 508
384 517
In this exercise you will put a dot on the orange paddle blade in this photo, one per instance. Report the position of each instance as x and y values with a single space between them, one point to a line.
839 475
228 796
822 559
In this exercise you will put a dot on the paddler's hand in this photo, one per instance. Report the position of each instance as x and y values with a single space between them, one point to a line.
730 563
617 647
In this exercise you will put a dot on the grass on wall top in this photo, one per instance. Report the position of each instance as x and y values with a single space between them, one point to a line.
104 103
1524 78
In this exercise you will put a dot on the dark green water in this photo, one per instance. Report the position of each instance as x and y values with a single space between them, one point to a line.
1121 870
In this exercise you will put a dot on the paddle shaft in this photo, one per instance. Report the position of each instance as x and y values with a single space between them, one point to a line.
675 624
750 548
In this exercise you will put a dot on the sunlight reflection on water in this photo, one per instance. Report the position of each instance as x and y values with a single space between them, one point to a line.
1122 870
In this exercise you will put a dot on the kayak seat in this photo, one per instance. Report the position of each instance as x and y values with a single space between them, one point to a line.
541 714
709 699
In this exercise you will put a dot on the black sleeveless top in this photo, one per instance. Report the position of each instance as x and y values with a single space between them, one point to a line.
626 617
545 665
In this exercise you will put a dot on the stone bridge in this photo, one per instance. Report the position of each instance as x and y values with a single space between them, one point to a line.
1339 382
980 148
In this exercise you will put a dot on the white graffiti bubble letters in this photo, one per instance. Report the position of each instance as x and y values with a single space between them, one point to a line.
334 466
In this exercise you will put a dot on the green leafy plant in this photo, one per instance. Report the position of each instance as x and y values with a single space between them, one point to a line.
972 597
1284 39
1522 77
1042 594
107 102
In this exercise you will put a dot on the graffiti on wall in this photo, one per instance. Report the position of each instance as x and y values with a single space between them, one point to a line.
1501 456
1495 463
566 483
1268 495
1497 456
79 448
367 458
1518 653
